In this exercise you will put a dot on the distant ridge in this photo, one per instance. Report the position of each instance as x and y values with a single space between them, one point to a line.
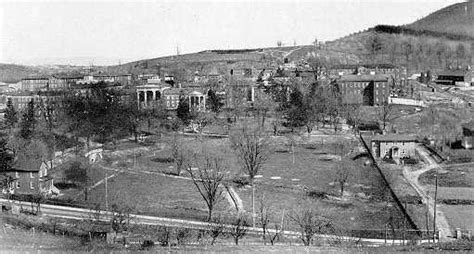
455 19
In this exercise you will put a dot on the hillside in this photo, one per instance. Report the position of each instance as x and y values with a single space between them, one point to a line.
221 60
456 19
11 73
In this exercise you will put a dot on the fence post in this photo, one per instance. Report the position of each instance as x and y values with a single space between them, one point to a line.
386 234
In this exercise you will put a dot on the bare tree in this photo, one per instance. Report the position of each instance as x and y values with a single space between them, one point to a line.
239 229
310 223
264 217
353 115
252 149
216 229
178 154
385 115
121 218
275 235
209 180
342 173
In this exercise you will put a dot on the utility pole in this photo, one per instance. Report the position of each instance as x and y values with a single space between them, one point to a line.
106 194
434 209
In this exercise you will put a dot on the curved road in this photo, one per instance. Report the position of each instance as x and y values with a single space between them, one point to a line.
412 177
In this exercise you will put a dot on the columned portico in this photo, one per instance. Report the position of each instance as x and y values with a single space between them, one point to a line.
197 100
148 94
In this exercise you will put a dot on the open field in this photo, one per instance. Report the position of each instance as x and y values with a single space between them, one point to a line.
450 177
146 186
459 216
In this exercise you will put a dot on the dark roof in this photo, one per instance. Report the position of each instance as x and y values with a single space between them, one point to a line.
368 66
469 125
454 73
363 78
395 138
35 78
26 165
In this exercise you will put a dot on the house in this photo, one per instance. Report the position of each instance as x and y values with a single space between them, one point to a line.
30 177
455 77
370 90
468 135
393 146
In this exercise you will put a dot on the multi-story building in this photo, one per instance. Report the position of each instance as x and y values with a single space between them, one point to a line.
373 69
42 83
370 90
30 177
19 101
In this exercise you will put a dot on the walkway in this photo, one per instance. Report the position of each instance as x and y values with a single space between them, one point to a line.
412 177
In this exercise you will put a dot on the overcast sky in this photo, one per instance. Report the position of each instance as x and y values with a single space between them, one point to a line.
106 32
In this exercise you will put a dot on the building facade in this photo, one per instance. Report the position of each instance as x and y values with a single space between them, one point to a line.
393 146
29 178
468 135
373 90
454 77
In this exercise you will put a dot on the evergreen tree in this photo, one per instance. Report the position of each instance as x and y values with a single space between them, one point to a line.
6 156
11 116
28 121
215 103
296 113
183 111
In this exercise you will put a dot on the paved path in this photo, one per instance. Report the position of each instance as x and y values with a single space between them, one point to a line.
412 177
86 214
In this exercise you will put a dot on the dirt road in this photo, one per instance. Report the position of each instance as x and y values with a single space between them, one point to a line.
412 177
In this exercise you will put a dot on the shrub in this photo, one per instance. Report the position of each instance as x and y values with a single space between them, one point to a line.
317 194
241 181
163 160
410 161
147 245
183 235
164 236
457 202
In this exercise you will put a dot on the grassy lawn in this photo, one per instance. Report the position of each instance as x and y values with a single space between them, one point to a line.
459 216
454 176
285 181
13 239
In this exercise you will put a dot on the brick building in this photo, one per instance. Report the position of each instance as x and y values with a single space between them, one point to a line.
42 83
370 90
373 69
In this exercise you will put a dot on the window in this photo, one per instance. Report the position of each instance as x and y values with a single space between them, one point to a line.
31 185
31 175
17 184
17 175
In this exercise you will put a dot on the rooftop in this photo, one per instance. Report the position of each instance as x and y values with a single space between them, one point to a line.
469 125
454 73
362 78
368 66
395 137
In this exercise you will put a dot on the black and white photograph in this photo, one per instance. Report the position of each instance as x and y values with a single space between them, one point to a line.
236 126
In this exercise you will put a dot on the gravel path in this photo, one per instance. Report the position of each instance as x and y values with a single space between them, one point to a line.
412 177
